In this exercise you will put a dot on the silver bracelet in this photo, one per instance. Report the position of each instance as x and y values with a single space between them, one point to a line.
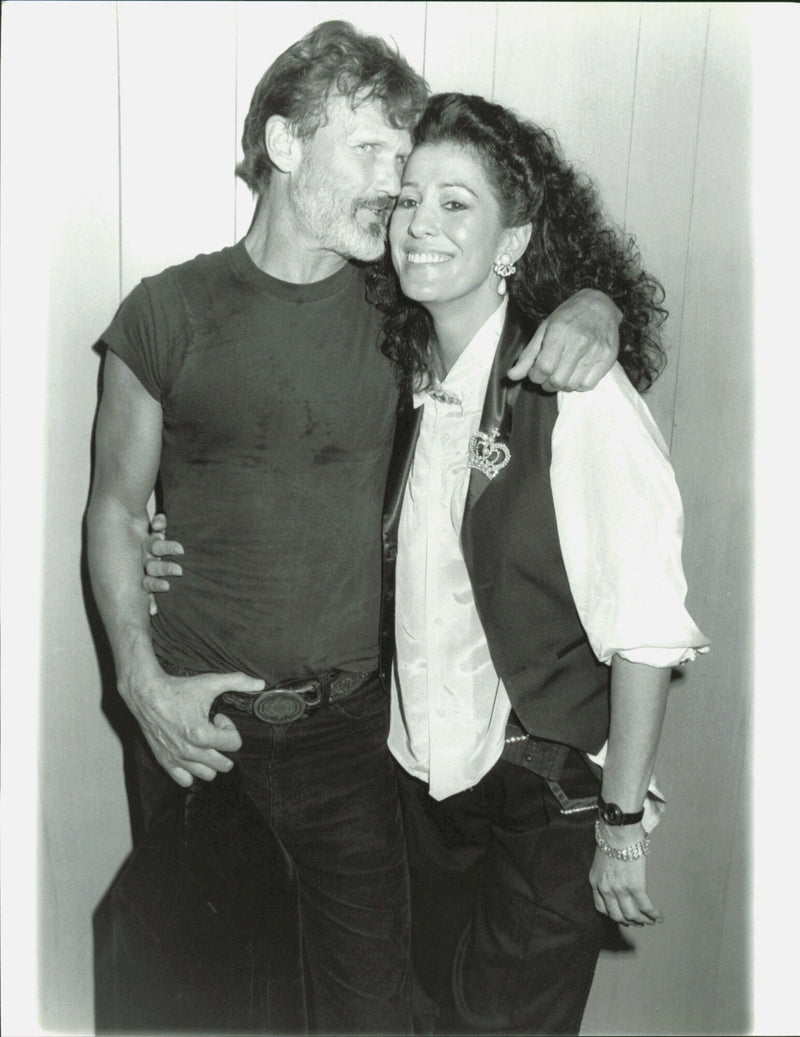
628 853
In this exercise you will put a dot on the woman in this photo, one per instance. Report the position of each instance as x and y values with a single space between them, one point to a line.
539 592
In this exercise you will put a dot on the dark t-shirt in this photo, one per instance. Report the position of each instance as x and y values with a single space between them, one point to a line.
279 412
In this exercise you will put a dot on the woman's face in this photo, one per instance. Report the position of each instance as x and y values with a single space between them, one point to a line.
446 229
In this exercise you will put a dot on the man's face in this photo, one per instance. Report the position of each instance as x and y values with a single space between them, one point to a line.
348 179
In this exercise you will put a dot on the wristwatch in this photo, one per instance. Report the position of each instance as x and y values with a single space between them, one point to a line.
612 815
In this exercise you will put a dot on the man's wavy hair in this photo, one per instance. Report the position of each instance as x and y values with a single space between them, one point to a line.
334 57
573 244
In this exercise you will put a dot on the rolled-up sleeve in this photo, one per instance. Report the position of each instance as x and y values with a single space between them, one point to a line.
620 525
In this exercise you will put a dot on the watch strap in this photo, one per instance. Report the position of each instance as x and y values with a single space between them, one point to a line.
613 815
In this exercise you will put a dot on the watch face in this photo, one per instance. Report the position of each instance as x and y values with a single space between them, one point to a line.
612 814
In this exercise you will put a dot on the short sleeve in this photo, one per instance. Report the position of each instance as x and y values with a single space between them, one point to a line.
143 334
620 525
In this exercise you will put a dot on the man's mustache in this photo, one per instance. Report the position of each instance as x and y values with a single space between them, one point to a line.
382 205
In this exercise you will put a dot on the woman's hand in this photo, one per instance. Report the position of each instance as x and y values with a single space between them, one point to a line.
155 549
619 888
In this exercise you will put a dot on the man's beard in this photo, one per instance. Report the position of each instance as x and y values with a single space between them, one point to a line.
352 227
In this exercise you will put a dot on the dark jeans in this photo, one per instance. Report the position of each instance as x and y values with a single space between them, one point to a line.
200 932
505 933
327 786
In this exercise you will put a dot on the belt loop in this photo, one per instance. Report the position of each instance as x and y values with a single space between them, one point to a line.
325 687
544 758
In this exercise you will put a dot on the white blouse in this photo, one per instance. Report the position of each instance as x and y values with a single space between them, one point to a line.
620 525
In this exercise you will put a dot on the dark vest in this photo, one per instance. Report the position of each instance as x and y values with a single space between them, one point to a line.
509 536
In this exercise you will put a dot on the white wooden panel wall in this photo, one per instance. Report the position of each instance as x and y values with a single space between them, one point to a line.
263 32
706 750
460 47
138 112
177 96
661 165
402 21
23 322
572 68
61 282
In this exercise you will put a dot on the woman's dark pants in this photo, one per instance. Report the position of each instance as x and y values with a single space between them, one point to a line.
505 935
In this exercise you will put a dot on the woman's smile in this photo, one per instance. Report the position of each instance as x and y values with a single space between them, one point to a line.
446 230
413 256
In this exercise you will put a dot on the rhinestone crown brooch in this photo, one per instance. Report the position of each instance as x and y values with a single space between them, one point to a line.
486 454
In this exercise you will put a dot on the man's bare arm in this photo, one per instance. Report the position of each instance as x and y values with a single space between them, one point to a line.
172 711
575 346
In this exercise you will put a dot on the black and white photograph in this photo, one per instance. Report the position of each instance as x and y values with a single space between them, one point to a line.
398 538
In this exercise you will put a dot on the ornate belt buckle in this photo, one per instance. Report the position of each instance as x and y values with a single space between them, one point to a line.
282 705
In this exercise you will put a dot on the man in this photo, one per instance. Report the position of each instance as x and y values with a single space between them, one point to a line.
251 383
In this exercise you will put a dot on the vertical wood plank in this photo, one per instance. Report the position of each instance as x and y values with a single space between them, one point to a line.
177 115
23 326
712 451
693 967
401 21
669 74
263 31
571 67
460 47
775 913
82 787
60 287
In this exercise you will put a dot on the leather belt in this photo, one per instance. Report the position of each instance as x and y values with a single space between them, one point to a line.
294 699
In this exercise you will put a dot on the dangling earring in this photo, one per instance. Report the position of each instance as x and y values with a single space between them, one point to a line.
504 268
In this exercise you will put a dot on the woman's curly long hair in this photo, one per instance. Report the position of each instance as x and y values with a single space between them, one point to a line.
573 244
